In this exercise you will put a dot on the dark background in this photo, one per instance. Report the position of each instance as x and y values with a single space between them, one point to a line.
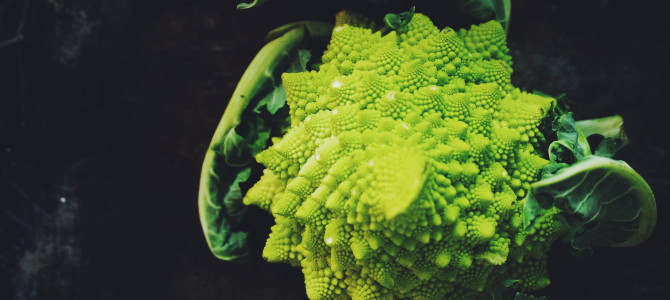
107 107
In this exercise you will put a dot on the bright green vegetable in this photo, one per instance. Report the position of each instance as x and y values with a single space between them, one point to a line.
409 166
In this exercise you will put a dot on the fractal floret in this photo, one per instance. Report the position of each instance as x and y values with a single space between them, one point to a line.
405 166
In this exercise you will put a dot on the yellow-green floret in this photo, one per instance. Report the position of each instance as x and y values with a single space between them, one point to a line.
404 169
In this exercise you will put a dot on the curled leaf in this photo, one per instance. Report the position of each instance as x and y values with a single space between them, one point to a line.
571 144
399 21
239 150
605 203
242 133
226 243
611 129
572 140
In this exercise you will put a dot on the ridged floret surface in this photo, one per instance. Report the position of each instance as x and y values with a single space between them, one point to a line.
404 169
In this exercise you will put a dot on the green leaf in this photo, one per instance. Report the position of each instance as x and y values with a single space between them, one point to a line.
572 140
604 202
273 100
242 133
259 142
611 129
233 145
232 201
571 145
299 61
239 150
250 5
276 97
230 243
568 134
485 9
221 209
399 21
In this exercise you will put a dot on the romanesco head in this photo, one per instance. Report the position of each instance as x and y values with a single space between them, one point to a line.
403 170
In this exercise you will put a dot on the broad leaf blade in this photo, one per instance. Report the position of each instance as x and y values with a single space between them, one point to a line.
605 203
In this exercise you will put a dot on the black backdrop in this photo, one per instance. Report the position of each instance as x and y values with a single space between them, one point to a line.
109 105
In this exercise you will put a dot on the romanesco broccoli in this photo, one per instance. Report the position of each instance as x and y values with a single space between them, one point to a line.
404 169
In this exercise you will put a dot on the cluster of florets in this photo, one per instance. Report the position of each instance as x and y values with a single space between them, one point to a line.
403 170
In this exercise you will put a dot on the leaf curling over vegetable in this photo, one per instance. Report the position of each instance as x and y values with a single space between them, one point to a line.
251 117
605 202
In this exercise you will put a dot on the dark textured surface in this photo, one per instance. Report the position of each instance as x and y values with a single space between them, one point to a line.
108 106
